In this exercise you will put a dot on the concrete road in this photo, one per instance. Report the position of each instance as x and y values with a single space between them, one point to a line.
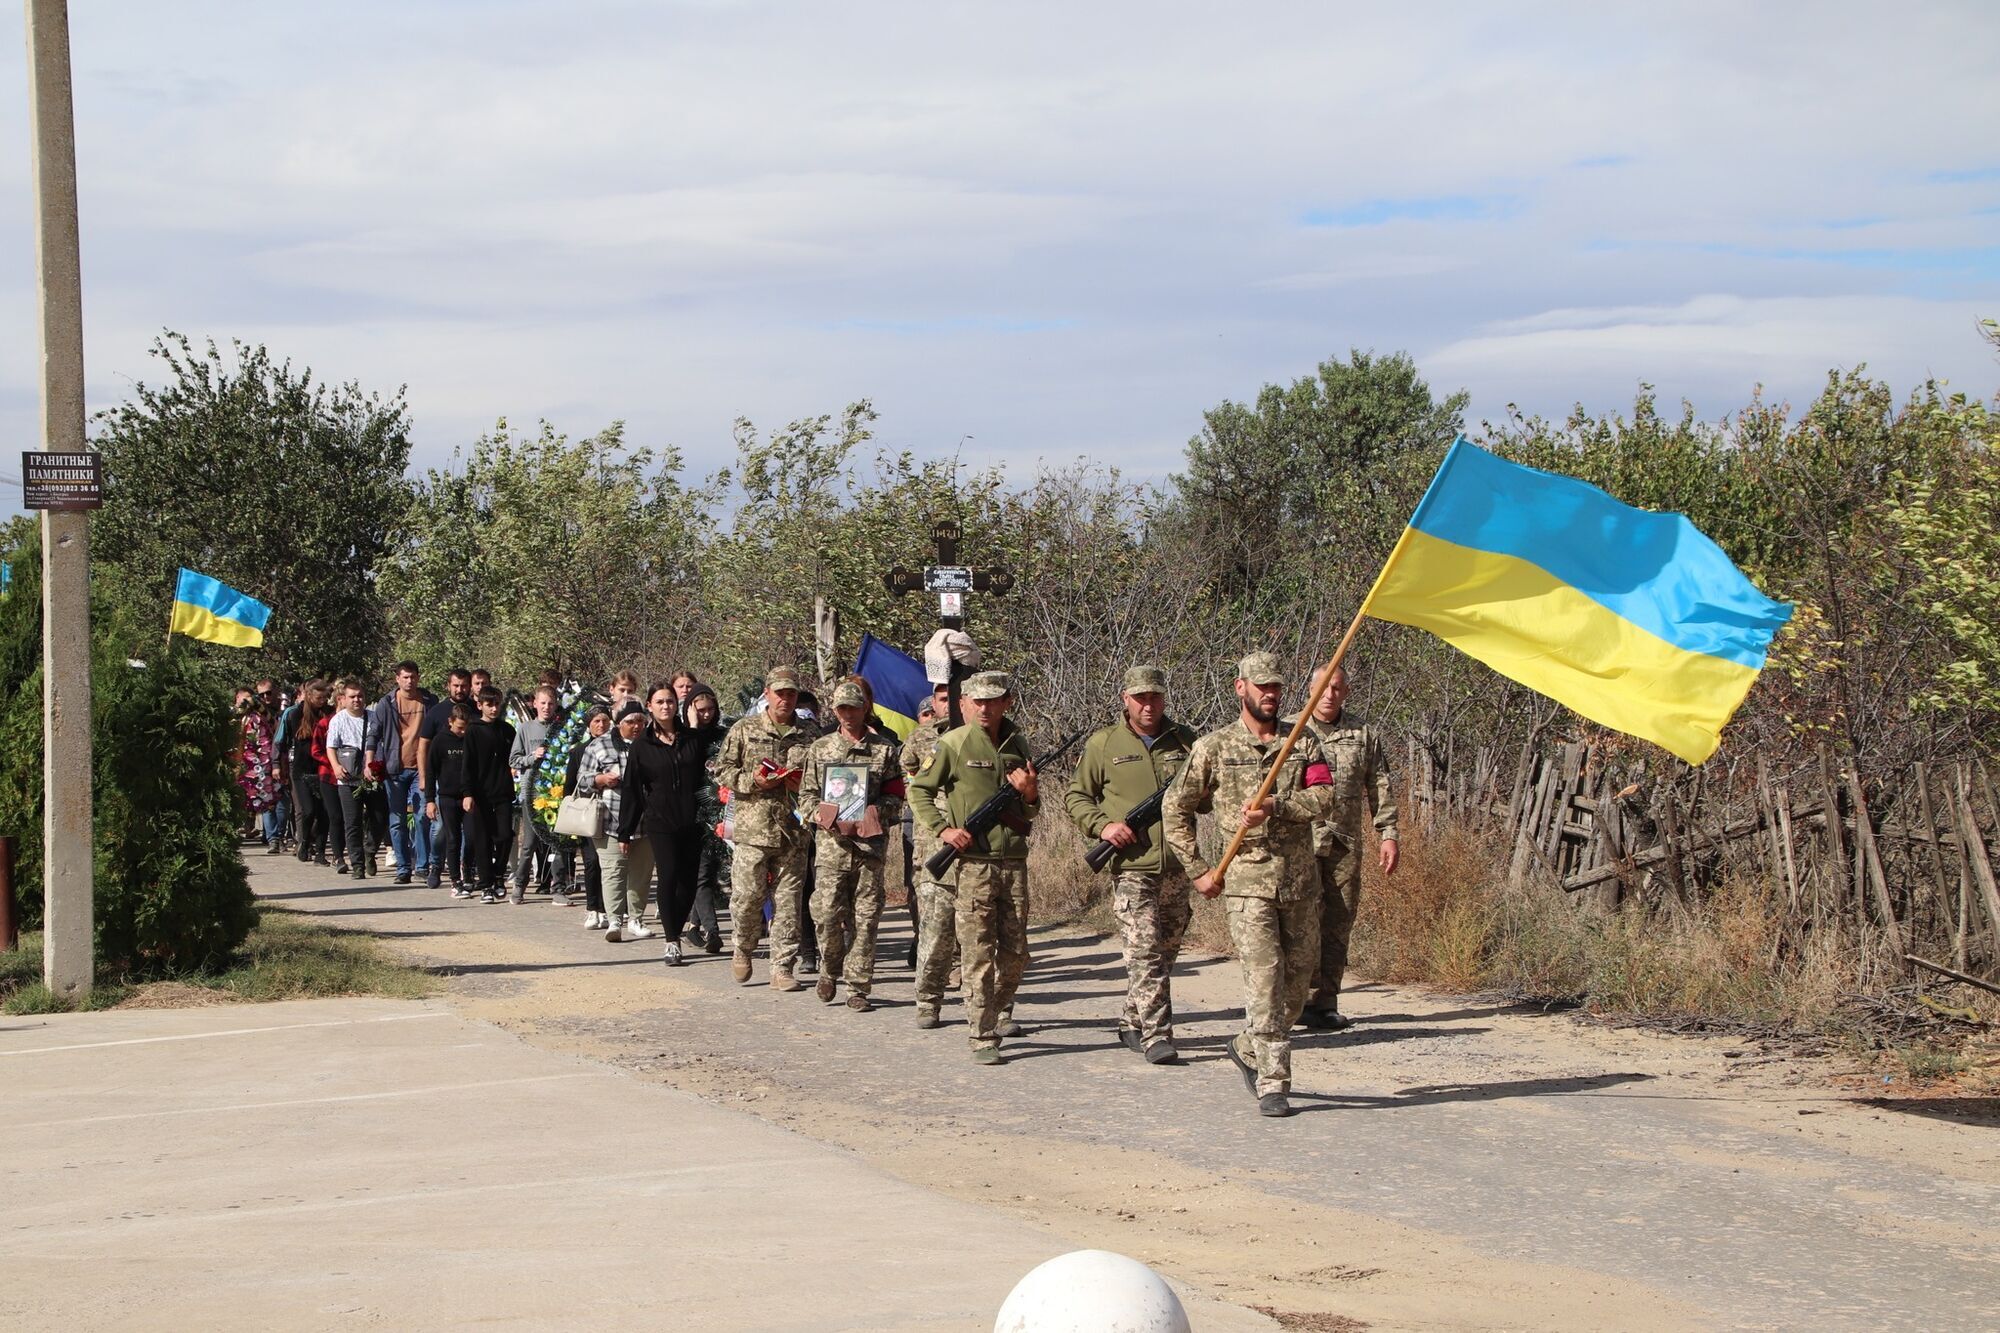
368 1163
1521 1157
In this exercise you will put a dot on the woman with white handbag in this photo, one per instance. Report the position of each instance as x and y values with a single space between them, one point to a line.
624 871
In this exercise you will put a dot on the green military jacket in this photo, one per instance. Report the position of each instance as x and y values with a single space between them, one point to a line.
1360 764
1118 770
885 780
915 754
761 818
966 769
1224 770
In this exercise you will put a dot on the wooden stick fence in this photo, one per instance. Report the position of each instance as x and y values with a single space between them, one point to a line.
1904 865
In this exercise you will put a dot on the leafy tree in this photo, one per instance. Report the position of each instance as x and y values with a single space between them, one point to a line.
538 551
250 471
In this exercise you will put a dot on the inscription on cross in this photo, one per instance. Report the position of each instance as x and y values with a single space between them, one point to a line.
947 578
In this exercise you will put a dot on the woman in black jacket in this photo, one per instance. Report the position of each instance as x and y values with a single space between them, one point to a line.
663 781
596 723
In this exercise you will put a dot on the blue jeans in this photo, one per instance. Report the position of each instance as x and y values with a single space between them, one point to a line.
274 822
413 855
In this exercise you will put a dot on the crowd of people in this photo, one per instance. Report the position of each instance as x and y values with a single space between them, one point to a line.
787 815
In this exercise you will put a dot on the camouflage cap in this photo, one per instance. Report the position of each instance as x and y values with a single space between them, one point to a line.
1260 669
1145 680
781 678
989 685
848 695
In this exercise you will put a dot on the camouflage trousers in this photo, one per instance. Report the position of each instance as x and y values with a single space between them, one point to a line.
992 942
786 869
1340 899
846 909
937 940
1153 912
1277 945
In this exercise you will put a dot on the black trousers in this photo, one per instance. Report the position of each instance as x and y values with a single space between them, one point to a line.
677 862
593 878
356 817
336 819
445 860
492 839
308 814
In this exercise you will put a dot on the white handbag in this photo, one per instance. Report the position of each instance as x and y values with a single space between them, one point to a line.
580 816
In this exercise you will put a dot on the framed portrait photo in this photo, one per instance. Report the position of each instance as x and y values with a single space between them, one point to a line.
845 788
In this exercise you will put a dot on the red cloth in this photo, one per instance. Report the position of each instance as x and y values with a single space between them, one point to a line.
320 756
1319 775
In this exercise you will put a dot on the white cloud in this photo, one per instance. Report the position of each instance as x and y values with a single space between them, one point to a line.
1060 228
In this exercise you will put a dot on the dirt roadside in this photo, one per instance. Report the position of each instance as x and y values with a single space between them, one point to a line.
1432 1197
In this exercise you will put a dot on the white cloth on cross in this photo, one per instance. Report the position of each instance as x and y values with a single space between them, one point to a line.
946 648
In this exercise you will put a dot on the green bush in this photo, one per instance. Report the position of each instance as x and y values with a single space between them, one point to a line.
171 891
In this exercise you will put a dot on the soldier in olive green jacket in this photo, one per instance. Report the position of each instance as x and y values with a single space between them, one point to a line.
969 765
1122 766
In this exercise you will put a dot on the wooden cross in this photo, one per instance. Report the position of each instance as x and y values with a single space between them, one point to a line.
947 578
950 581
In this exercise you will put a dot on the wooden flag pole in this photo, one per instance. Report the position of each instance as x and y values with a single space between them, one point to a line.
1305 713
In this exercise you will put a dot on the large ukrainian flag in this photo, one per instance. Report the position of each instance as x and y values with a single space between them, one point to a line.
898 681
217 613
1633 619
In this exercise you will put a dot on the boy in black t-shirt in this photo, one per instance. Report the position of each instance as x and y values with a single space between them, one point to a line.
448 798
492 739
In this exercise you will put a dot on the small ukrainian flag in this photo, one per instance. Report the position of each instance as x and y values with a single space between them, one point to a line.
217 613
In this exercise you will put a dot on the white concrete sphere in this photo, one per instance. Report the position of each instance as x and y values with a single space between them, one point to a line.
1092 1291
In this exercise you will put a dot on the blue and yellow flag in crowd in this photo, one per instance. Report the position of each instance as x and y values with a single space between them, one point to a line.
217 613
898 681
1633 619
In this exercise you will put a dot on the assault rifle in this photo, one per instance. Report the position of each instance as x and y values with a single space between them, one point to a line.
1139 818
998 806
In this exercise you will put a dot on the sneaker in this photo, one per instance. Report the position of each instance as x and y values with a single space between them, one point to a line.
614 930
714 942
1162 1052
1243 1066
559 899
986 1055
402 877
274 849
808 962
927 1017
593 921
824 989
1274 1104
636 930
739 967
860 1004
672 956
517 898
460 891
781 979
490 896
341 867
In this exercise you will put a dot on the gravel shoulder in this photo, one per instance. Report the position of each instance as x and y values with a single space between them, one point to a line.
1457 1163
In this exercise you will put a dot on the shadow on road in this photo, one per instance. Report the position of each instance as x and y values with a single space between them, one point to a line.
1463 1092
1982 1111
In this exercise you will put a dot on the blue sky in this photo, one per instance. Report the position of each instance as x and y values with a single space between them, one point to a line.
1062 230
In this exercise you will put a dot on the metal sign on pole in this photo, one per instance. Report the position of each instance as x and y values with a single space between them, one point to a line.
68 924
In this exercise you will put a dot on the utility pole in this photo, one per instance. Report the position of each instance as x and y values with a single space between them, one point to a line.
68 927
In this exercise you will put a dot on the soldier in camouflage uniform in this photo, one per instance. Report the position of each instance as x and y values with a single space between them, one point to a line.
937 904
762 763
968 767
1360 767
1122 766
848 857
1271 891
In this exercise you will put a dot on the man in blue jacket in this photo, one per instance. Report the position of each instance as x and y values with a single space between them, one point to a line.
392 740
